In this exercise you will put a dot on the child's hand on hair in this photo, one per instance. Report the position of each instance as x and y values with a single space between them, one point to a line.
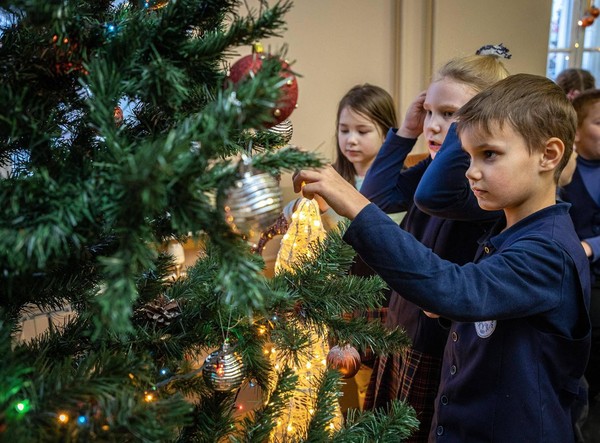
412 126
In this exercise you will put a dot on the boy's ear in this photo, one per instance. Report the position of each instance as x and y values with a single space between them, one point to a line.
552 155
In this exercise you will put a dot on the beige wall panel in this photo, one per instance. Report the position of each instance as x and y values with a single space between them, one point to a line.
460 27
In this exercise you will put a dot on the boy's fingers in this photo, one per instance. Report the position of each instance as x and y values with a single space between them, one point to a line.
297 180
303 177
306 193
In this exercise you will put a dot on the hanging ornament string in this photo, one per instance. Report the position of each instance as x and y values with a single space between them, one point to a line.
224 331
249 149
223 370
225 334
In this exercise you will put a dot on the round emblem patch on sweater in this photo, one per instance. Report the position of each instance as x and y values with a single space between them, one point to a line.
485 328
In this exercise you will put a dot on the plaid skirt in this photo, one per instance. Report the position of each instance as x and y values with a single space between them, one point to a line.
412 377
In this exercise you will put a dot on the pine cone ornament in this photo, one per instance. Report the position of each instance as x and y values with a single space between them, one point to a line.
162 310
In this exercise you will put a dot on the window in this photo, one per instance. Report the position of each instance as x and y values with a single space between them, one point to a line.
572 45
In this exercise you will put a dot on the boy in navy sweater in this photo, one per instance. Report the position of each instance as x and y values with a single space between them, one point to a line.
584 195
520 335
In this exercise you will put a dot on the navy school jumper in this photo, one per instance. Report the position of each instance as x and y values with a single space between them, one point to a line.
520 336
393 190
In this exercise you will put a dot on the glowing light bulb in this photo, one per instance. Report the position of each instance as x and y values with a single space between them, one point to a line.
63 418
22 407
220 371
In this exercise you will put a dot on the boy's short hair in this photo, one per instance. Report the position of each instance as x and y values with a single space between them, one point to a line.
583 102
534 106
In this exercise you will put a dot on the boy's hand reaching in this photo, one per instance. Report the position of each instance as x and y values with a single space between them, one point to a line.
412 126
331 186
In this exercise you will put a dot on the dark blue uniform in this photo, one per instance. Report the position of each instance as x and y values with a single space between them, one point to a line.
414 375
520 338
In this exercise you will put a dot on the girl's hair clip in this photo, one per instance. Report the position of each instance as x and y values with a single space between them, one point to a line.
496 50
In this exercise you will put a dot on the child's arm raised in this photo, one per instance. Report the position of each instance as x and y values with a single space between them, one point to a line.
444 190
387 183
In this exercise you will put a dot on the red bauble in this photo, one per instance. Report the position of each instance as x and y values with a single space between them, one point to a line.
594 12
118 116
289 97
586 21
345 359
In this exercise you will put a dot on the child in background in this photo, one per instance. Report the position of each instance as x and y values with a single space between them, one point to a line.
520 332
584 195
414 375
364 115
574 81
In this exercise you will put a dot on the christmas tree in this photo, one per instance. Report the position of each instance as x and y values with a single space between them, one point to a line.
125 129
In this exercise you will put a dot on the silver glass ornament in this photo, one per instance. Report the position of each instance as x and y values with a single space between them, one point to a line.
283 129
254 203
223 370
